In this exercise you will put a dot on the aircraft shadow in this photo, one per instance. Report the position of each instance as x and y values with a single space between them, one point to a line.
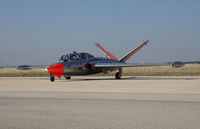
131 78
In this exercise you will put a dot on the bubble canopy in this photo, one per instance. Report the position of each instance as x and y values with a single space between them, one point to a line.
75 56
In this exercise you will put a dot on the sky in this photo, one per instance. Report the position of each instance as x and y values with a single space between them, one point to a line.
40 31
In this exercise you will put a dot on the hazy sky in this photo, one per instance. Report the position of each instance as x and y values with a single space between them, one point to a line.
40 31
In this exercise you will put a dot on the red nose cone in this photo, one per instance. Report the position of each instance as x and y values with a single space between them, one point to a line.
56 70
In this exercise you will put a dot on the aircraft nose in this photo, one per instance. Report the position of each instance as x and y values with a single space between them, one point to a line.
56 70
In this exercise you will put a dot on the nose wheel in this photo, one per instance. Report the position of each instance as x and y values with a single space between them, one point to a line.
52 78
68 77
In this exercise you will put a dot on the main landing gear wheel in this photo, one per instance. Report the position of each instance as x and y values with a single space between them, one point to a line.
52 78
118 75
68 77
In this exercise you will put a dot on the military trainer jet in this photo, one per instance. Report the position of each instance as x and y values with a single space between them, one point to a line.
74 64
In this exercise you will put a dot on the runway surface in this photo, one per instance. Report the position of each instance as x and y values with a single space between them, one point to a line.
189 85
100 103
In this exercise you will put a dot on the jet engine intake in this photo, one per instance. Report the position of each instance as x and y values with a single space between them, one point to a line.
89 66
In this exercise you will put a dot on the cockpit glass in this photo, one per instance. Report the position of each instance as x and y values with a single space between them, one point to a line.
66 58
83 56
78 56
90 56
62 58
72 57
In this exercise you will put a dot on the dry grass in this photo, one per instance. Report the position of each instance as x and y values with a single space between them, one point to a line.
187 70
13 72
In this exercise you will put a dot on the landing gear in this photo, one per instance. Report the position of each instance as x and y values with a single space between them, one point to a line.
52 78
118 74
68 77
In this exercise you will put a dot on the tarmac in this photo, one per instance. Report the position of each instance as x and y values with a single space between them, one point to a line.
93 102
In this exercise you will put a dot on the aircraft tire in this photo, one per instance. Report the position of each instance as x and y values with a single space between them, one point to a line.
68 77
52 78
118 75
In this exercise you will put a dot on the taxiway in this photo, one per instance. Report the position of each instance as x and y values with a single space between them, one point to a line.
100 103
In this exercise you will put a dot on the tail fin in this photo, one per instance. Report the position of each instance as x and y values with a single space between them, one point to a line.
106 52
126 57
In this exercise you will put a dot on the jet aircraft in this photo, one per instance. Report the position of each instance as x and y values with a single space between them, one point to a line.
85 64
75 64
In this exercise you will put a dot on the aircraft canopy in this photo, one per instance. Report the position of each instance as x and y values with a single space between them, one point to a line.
75 56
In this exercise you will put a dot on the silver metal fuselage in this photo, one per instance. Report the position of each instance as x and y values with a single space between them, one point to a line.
77 67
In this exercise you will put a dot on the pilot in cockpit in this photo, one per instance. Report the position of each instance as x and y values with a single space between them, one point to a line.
78 56
70 57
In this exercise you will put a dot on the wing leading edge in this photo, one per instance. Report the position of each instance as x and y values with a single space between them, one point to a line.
123 64
120 65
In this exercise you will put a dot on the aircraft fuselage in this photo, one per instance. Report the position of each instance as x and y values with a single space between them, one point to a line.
84 67
79 67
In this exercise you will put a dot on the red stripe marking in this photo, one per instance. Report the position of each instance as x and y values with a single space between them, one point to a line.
138 48
106 52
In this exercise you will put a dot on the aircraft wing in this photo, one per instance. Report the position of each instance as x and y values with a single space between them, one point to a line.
120 65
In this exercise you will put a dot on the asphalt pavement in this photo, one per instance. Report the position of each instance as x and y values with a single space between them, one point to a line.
75 110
